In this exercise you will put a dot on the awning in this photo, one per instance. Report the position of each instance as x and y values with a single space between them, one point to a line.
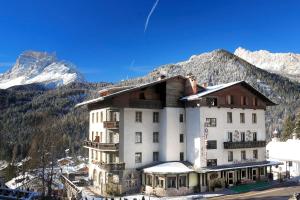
168 168
238 166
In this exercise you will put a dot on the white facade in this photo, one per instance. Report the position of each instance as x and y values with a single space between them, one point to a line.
219 142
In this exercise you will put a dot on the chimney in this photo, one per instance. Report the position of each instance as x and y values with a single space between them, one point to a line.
191 85
162 75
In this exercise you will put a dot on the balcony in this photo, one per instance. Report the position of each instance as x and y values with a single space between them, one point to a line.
110 166
102 146
246 144
111 124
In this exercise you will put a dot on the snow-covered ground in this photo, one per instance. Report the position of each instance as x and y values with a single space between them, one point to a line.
90 196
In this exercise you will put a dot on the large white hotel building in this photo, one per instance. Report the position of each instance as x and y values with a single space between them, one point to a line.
175 137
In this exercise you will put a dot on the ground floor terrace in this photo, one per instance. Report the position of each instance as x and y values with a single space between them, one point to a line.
179 178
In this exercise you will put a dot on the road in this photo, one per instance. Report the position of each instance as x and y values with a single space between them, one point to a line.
278 193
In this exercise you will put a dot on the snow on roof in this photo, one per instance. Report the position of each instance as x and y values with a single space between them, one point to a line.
127 90
19 181
210 89
169 167
284 151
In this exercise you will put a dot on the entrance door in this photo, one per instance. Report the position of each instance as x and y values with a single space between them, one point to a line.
230 178
254 174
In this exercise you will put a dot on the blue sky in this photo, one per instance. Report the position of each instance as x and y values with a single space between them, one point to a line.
106 40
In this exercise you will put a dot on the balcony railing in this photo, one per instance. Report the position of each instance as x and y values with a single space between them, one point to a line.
246 144
102 146
110 166
111 124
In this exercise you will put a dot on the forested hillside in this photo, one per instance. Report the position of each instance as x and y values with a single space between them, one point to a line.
27 109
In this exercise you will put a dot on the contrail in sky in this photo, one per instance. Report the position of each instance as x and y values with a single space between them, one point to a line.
149 15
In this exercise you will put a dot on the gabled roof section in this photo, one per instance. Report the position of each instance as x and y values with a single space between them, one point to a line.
212 89
129 90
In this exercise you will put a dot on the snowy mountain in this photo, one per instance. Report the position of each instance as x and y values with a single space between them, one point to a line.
40 67
286 64
221 66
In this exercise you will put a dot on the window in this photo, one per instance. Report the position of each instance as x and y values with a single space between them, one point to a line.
182 181
230 156
101 116
211 144
243 155
229 117
155 137
138 137
181 156
211 162
138 157
171 182
229 99
242 117
212 101
254 118
181 140
254 136
262 171
229 136
181 118
244 100
290 163
93 115
255 154
92 139
267 154
254 100
97 117
242 136
149 179
142 96
211 122
155 156
138 116
243 173
155 117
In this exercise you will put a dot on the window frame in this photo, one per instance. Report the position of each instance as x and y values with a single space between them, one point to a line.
138 155
229 118
211 122
254 118
140 134
155 117
181 118
156 137
181 138
138 116
155 154
212 144
242 118
230 156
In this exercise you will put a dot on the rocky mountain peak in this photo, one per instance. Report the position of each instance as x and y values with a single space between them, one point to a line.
40 67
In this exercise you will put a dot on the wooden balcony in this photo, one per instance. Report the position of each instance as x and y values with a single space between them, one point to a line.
111 124
110 166
246 144
102 146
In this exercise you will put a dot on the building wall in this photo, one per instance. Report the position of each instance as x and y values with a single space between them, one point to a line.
128 129
196 118
170 127
193 136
